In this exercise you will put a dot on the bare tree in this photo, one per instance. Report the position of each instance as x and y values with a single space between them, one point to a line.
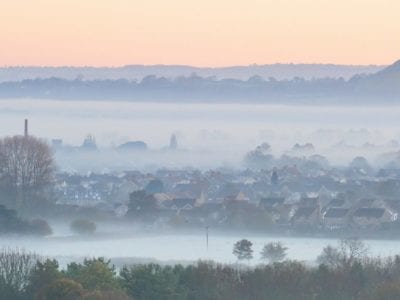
15 269
349 251
26 164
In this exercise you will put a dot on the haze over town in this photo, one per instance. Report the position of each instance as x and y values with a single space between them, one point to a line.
199 150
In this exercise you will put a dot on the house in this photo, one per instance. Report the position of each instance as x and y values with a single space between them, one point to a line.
270 203
306 216
133 146
324 196
309 201
240 196
336 203
373 216
370 203
336 217
286 213
182 204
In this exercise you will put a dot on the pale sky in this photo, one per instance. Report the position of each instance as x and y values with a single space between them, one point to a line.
198 32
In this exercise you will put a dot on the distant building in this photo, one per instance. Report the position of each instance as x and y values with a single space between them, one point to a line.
173 143
373 216
306 216
89 143
335 218
133 145
56 143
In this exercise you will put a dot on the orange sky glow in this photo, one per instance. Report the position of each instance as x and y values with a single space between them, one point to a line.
200 33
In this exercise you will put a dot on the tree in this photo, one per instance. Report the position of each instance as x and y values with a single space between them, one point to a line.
273 252
242 250
105 295
154 186
26 166
42 275
15 268
142 205
330 256
386 291
9 221
348 252
274 177
153 282
353 249
259 158
62 289
94 274
84 227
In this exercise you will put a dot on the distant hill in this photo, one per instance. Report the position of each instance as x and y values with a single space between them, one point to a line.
138 72
385 83
380 87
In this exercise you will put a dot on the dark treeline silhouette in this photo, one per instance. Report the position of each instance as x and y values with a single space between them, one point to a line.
130 72
382 85
26 276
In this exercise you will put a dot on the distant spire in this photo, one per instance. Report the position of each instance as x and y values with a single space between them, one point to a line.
26 128
173 143
89 143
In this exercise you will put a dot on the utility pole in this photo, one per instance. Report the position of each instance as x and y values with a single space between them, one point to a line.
207 237
26 128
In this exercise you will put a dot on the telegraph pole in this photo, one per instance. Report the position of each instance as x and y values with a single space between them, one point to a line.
207 237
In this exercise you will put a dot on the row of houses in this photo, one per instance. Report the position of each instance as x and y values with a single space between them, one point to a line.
336 214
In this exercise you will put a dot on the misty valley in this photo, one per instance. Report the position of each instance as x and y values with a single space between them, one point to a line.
112 199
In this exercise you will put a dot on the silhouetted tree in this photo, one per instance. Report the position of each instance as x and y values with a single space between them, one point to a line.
142 206
273 252
242 250
26 166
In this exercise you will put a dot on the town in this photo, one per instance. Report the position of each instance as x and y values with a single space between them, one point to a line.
283 199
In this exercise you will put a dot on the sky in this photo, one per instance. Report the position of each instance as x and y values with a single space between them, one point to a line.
199 33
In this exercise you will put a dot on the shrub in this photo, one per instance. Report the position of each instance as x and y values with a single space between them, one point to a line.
40 227
84 227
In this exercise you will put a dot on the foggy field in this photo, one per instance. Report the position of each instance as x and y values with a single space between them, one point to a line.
210 135
165 248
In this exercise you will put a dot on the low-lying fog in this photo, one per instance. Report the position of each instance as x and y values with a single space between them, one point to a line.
139 247
209 135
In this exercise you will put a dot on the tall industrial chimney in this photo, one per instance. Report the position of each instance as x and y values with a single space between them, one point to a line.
26 128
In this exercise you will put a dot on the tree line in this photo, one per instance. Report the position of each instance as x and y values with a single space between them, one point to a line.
344 272
197 88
